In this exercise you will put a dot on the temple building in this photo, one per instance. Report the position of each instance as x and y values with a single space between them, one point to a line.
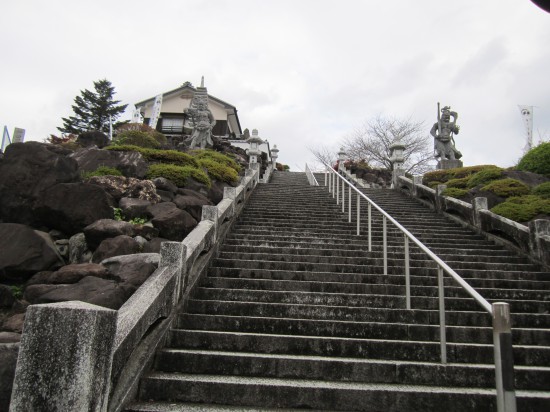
172 120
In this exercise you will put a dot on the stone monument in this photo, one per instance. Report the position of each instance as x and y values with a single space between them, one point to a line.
444 145
201 119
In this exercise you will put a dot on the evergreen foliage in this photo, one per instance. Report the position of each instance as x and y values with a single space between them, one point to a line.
507 188
219 171
542 190
92 110
178 174
136 138
537 160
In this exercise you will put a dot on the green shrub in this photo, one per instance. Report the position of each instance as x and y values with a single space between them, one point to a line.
17 291
542 190
470 170
460 183
219 171
485 176
439 176
216 157
507 188
157 155
102 171
523 208
442 176
178 174
455 192
136 138
536 160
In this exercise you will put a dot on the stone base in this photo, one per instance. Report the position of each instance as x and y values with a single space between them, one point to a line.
449 164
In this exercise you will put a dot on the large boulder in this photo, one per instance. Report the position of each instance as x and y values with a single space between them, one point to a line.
192 202
153 246
116 246
79 252
6 297
132 208
94 138
103 229
120 186
8 361
69 274
172 223
27 170
25 251
129 163
132 269
70 207
102 292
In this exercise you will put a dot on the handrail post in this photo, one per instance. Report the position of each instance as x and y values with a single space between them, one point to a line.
504 360
337 190
407 275
369 227
385 243
343 197
442 332
349 203
326 172
358 214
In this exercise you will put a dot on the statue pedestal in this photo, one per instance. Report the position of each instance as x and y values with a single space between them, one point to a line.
444 164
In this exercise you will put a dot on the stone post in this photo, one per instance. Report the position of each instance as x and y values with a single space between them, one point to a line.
175 254
479 204
65 358
231 193
274 156
417 181
210 213
439 197
539 233
341 159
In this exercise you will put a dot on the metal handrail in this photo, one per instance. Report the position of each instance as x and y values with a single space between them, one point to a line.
499 311
310 177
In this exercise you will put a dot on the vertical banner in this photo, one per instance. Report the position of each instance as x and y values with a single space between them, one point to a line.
136 116
18 135
110 127
527 116
5 139
155 114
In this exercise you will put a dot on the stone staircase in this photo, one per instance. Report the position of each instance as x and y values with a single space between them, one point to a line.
296 314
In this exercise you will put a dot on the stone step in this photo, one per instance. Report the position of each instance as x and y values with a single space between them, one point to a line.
394 314
355 330
342 369
402 350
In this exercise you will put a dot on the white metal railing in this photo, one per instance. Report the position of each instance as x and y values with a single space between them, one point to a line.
499 311
310 177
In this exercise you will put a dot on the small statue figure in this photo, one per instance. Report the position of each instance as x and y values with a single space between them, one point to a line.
201 118
442 131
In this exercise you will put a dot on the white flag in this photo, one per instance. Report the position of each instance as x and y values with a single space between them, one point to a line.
5 139
18 135
155 114
527 116
136 116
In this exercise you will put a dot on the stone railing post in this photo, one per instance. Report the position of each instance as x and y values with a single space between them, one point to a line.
65 358
417 181
341 159
478 204
439 196
539 230
210 213
274 156
175 254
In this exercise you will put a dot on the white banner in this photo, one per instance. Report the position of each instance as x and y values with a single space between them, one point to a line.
155 114
5 139
18 135
527 116
136 116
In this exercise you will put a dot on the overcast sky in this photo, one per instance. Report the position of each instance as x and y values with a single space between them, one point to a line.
302 72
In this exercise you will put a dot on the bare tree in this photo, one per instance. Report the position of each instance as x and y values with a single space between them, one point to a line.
323 155
371 143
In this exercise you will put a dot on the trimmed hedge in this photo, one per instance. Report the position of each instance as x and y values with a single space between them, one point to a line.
537 160
178 174
442 176
136 138
507 187
218 157
219 171
485 176
460 183
542 190
102 171
162 156
522 209
455 192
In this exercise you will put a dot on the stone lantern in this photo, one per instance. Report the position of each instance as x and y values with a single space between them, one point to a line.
341 158
254 150
274 156
397 157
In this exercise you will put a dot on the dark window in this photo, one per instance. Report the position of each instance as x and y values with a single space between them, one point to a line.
171 125
220 129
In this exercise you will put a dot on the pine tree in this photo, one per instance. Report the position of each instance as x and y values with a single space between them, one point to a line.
92 110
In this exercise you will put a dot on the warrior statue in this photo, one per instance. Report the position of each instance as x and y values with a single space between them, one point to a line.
201 118
442 131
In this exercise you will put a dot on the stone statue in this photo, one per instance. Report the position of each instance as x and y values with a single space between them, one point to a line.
201 118
442 131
